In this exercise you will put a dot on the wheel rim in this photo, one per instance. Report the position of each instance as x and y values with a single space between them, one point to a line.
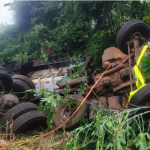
135 34
68 110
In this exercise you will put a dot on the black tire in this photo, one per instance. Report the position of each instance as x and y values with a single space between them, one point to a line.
17 111
19 86
25 79
29 121
6 80
141 96
127 30
75 120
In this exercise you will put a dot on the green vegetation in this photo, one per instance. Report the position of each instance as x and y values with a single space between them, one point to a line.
48 102
112 130
145 66
69 29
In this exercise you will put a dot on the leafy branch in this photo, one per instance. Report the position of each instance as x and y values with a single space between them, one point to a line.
145 66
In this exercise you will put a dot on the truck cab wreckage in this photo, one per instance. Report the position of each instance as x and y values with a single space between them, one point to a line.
120 87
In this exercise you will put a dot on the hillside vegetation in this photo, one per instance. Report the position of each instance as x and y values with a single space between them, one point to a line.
69 29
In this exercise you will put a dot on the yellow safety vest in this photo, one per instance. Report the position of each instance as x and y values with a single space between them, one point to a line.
139 77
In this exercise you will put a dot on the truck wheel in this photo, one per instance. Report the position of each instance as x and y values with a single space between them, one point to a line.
17 111
142 96
25 79
29 121
8 101
67 108
6 80
132 27
19 86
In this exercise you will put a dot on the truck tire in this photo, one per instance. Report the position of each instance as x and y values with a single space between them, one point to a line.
29 121
17 111
25 79
19 86
67 108
127 30
6 80
141 96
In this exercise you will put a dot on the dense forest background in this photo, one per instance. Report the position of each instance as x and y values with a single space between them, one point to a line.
67 29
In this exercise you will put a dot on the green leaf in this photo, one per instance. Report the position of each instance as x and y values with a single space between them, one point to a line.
65 79
71 66
145 66
119 146
109 124
146 73
67 89
97 145
40 106
75 75
81 89
81 79
31 91
140 141
109 146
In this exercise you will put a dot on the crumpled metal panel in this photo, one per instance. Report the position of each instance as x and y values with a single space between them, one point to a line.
114 102
112 53
104 100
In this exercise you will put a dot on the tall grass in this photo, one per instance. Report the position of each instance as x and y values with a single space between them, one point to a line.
114 130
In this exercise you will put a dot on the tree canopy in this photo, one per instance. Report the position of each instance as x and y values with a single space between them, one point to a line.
69 29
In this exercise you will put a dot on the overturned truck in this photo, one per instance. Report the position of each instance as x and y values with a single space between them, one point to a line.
116 88
122 85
